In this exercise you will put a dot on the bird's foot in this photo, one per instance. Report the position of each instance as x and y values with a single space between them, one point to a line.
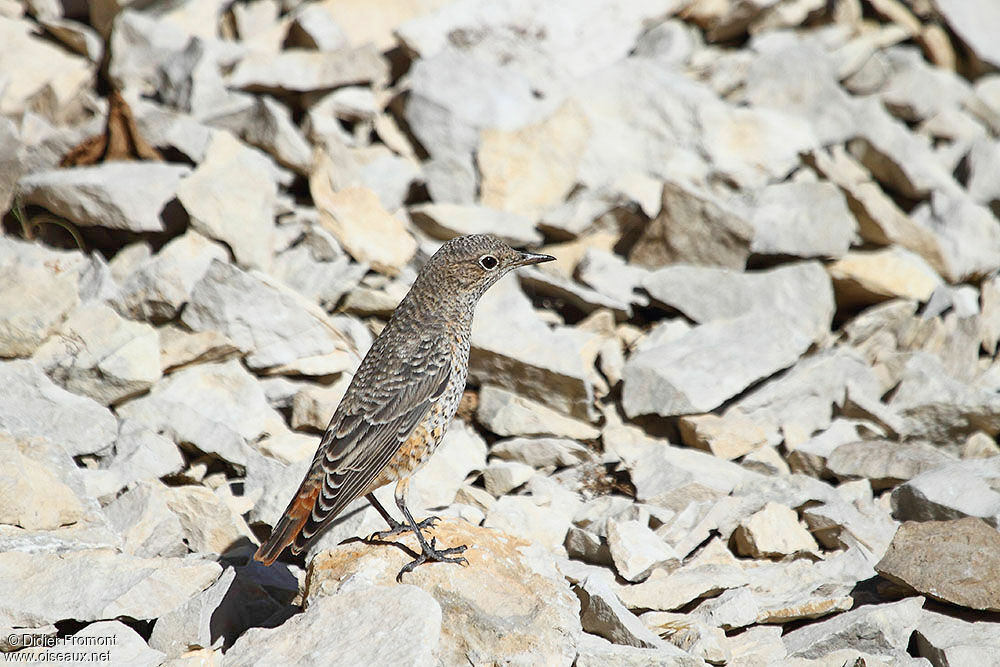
397 528
433 555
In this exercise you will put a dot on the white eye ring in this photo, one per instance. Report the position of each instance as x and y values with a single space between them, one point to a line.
488 262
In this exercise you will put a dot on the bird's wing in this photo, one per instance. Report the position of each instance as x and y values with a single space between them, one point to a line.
393 391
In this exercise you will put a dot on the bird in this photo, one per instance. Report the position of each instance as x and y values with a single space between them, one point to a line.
400 401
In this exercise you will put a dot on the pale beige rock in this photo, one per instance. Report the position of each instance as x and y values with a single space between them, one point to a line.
105 584
866 277
180 348
690 635
302 70
980 446
774 531
506 413
526 170
530 518
398 625
33 495
636 550
98 353
51 67
729 437
209 525
231 197
509 604
359 222
502 477
313 405
364 22
667 591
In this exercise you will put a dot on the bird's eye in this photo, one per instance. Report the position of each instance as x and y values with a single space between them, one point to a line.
488 262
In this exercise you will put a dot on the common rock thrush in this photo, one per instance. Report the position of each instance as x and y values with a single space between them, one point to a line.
401 400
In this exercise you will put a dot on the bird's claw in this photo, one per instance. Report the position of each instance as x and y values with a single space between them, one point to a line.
431 554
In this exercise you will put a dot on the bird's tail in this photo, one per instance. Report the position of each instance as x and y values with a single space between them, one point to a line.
286 530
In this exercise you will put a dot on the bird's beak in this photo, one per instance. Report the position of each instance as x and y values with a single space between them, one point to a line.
533 258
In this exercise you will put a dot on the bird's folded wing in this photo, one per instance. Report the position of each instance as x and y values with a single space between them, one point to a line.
376 417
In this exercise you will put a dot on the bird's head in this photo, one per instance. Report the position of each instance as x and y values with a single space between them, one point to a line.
472 264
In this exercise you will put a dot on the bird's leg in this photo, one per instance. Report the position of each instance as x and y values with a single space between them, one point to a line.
428 552
395 527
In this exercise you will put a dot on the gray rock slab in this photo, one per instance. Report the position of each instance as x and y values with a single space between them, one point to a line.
879 629
801 220
709 365
273 324
884 462
105 585
961 489
214 618
230 196
218 408
800 292
953 561
602 614
31 405
525 356
98 353
400 625
119 195
541 452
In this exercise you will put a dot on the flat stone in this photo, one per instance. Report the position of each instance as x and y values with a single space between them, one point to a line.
180 348
956 220
40 488
216 617
952 561
230 197
800 400
785 218
880 220
867 277
218 408
950 642
594 651
541 452
53 68
728 437
159 286
506 414
363 227
773 532
570 294
636 550
38 287
143 518
116 195
532 519
612 276
502 477
709 365
31 405
507 584
962 489
268 125
526 356
664 591
397 624
300 70
690 635
139 454
98 353
602 614
274 325
799 292
878 629
695 228
106 585
885 463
